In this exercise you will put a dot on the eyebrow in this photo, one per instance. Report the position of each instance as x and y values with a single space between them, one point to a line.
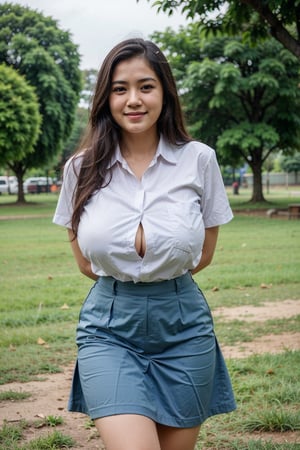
142 80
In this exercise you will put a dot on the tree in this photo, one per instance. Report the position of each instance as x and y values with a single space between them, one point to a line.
20 119
89 77
45 55
72 143
256 18
291 164
242 100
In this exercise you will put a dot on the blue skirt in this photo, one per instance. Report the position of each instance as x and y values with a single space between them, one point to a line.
149 349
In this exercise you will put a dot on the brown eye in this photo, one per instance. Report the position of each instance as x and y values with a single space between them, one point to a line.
118 89
147 87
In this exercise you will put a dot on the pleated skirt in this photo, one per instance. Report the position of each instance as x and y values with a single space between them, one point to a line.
149 349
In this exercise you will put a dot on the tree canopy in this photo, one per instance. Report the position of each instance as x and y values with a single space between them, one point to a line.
255 18
242 100
19 116
72 143
291 164
45 55
89 77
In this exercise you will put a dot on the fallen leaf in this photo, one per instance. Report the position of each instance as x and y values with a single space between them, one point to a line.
41 341
65 306
264 286
50 277
215 289
41 424
12 348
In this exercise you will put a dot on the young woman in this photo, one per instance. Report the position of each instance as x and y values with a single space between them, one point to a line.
142 203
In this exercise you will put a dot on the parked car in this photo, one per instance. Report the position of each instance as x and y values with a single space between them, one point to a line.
8 185
36 185
3 185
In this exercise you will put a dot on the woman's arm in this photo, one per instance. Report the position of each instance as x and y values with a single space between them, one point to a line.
83 263
209 246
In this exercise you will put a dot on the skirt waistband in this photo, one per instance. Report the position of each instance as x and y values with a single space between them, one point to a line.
152 288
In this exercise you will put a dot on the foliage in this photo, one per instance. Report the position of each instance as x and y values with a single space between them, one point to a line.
33 45
291 163
240 99
255 19
89 77
19 116
81 118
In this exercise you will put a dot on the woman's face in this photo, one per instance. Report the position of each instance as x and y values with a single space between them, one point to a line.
136 96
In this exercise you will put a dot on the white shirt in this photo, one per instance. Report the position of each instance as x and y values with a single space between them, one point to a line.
180 194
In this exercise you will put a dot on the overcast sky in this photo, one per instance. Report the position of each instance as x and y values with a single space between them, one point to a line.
97 25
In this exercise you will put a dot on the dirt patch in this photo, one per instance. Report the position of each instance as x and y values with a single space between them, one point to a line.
288 437
49 397
266 311
271 343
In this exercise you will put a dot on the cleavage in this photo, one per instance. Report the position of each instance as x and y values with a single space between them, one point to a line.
140 241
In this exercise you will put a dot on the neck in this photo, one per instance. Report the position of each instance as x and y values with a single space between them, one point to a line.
133 146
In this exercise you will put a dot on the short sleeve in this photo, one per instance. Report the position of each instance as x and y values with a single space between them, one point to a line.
64 208
215 205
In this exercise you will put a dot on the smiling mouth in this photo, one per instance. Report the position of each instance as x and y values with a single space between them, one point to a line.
135 114
135 117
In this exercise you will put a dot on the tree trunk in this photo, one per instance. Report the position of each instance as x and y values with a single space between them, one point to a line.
257 192
19 170
21 196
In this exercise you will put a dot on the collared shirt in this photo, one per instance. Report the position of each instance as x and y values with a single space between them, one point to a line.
180 194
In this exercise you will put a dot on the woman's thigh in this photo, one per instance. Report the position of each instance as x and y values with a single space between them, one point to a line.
128 432
177 438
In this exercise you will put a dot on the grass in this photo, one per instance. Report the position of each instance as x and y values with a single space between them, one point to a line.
238 331
49 421
278 197
267 388
13 396
36 205
257 261
12 435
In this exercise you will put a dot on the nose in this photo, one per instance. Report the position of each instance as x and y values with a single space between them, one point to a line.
133 98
